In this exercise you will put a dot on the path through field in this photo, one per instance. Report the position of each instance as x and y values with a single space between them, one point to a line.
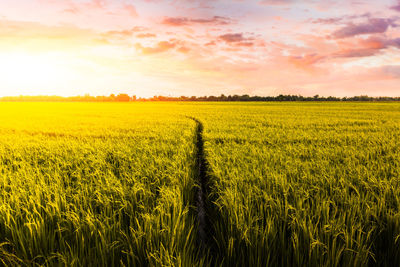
205 232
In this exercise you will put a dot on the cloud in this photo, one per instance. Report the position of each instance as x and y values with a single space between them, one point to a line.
357 52
341 19
160 47
306 61
126 33
245 44
72 10
211 43
104 7
373 26
232 37
123 33
131 10
396 6
184 49
354 48
374 43
365 47
384 72
184 21
97 4
146 35
394 42
391 71
276 2
236 39
327 21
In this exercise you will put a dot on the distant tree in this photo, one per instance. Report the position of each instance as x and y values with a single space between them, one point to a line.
235 98
245 98
126 98
111 98
122 98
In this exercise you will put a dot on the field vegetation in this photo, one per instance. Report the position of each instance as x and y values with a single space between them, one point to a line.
118 184
95 185
305 184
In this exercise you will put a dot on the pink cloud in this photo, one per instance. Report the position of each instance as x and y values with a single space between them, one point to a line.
276 2
327 21
396 6
357 52
385 72
394 42
361 48
232 37
98 7
184 21
131 10
238 39
100 4
391 71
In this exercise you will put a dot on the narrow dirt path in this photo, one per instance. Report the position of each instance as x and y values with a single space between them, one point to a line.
205 232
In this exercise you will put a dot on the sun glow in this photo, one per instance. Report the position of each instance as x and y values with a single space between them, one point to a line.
23 70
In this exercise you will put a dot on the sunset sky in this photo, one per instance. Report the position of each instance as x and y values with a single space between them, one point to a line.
200 47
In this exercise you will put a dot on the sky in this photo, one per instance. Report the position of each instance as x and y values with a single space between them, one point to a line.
200 47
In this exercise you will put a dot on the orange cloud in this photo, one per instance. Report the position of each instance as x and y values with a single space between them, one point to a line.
146 35
160 47
307 61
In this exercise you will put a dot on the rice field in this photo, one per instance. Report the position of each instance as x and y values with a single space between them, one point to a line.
95 185
281 184
306 184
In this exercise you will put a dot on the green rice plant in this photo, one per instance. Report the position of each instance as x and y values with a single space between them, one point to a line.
96 185
305 184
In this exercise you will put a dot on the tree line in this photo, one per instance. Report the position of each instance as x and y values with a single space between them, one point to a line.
222 97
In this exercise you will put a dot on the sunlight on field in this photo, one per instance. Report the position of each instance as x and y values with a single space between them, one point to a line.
91 183
290 184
